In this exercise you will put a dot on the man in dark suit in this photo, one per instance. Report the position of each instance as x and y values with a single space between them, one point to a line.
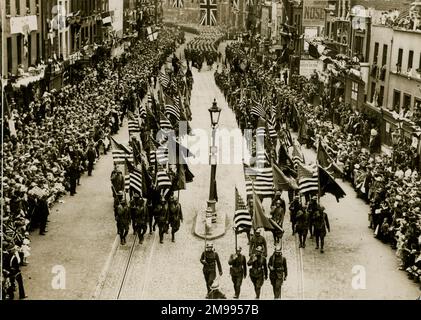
278 271
238 270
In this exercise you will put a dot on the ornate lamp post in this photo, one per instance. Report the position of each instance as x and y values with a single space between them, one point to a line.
214 112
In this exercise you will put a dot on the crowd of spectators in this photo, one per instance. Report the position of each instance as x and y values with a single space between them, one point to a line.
55 138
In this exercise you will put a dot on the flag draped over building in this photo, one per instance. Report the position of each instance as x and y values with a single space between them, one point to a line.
242 218
208 13
307 178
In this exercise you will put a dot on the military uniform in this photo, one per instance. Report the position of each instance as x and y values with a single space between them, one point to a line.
238 271
311 209
294 207
175 217
140 219
123 222
278 273
258 240
258 271
321 222
302 224
210 259
161 214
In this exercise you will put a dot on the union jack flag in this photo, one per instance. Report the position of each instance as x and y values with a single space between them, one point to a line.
178 4
208 10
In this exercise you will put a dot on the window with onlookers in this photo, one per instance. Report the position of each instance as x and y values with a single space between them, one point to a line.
28 7
406 106
376 52
17 7
399 63
37 7
396 100
410 59
384 55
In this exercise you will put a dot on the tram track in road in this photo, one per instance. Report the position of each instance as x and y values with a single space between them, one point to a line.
129 258
300 267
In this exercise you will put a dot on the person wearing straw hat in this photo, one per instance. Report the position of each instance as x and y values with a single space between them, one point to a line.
210 259
258 270
278 271
238 270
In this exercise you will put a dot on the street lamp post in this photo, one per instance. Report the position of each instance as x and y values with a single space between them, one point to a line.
214 112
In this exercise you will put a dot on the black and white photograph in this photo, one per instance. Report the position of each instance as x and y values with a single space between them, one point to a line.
210 149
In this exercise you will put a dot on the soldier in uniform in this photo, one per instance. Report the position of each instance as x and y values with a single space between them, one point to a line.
294 207
278 271
161 214
117 180
311 209
123 221
141 219
256 241
258 270
210 259
238 270
133 208
278 214
175 216
321 222
302 223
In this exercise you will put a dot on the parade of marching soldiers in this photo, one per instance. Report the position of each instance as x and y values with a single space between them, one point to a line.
136 225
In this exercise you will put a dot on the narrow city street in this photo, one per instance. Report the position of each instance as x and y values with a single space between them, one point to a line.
82 238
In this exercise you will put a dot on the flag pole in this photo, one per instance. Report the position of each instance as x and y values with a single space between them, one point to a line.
318 183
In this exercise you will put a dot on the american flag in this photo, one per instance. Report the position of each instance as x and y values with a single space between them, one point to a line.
142 109
172 107
260 142
178 4
297 155
121 152
152 157
163 181
308 179
164 123
12 231
134 179
271 129
162 154
164 79
258 110
242 218
208 11
133 124
263 182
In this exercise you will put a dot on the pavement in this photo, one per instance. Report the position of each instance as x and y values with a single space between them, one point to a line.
82 239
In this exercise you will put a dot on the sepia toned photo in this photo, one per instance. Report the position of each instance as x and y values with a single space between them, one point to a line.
211 149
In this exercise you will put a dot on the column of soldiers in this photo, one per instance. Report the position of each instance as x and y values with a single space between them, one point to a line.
142 211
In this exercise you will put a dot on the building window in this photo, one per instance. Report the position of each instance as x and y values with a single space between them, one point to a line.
384 55
419 65
372 92
376 52
417 105
29 47
38 47
28 7
381 96
9 55
399 63
17 6
354 92
406 102
37 7
396 100
410 59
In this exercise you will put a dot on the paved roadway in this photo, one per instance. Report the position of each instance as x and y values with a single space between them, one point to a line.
82 238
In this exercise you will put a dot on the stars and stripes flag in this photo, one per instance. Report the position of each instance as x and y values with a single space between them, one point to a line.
258 110
142 109
134 178
261 179
172 107
121 152
13 232
208 12
164 79
162 154
152 33
133 124
260 142
297 155
308 179
163 181
178 4
242 218
164 123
